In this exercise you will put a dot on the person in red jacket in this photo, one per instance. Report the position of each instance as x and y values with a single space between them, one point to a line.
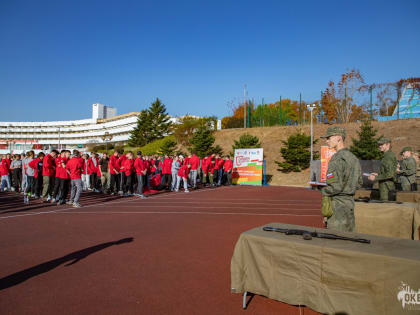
75 168
212 171
147 166
64 179
195 164
93 164
121 160
183 175
48 175
219 166
127 168
114 171
186 160
141 171
36 166
227 168
166 171
58 171
85 172
5 173
204 169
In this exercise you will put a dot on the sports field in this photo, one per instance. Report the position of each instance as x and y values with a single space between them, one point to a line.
168 254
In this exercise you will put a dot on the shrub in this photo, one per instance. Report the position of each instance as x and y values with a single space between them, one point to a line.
366 147
246 141
296 153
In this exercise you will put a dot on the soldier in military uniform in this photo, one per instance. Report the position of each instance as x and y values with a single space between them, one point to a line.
407 169
344 177
387 174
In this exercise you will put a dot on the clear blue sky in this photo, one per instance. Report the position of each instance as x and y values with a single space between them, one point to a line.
59 57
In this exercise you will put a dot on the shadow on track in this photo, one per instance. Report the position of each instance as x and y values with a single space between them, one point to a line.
14 203
72 258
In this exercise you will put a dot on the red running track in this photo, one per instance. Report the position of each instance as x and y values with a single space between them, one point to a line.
168 254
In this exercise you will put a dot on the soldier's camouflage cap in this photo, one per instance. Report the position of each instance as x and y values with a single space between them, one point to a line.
410 149
335 131
384 140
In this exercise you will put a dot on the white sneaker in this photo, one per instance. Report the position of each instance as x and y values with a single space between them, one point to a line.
77 205
187 191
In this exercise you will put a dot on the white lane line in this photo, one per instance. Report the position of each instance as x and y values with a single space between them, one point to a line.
210 207
112 202
175 202
243 199
194 212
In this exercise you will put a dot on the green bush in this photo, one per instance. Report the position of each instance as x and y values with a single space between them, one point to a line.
296 153
366 147
168 147
202 142
246 141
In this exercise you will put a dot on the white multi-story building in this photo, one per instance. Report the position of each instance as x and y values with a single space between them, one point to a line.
104 127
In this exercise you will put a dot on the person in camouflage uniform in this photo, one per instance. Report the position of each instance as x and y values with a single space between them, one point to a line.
344 177
387 172
407 169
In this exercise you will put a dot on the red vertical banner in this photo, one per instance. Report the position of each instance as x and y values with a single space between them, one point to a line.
326 155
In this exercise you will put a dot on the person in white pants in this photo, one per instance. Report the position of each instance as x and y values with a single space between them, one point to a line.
176 165
183 175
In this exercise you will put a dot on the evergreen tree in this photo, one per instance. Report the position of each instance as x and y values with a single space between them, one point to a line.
246 141
366 147
141 134
217 149
161 125
296 153
202 142
168 147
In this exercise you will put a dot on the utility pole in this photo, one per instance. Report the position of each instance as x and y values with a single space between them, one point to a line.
280 111
249 113
300 108
311 108
321 114
398 103
262 110
346 112
370 102
59 139
245 107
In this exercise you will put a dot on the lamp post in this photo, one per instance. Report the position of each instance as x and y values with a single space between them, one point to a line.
311 108
106 137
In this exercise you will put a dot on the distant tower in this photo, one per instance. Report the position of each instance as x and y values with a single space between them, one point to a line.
100 111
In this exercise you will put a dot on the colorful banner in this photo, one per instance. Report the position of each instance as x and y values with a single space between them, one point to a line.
326 155
248 167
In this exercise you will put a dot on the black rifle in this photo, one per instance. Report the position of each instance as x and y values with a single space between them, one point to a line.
307 235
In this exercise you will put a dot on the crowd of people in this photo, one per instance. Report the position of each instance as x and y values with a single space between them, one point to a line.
61 177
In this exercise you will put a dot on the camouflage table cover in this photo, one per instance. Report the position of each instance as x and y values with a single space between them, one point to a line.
385 219
329 276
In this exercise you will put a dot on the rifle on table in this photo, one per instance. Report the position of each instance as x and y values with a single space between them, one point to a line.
307 235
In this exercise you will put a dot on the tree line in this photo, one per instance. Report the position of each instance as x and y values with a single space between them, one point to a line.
349 99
